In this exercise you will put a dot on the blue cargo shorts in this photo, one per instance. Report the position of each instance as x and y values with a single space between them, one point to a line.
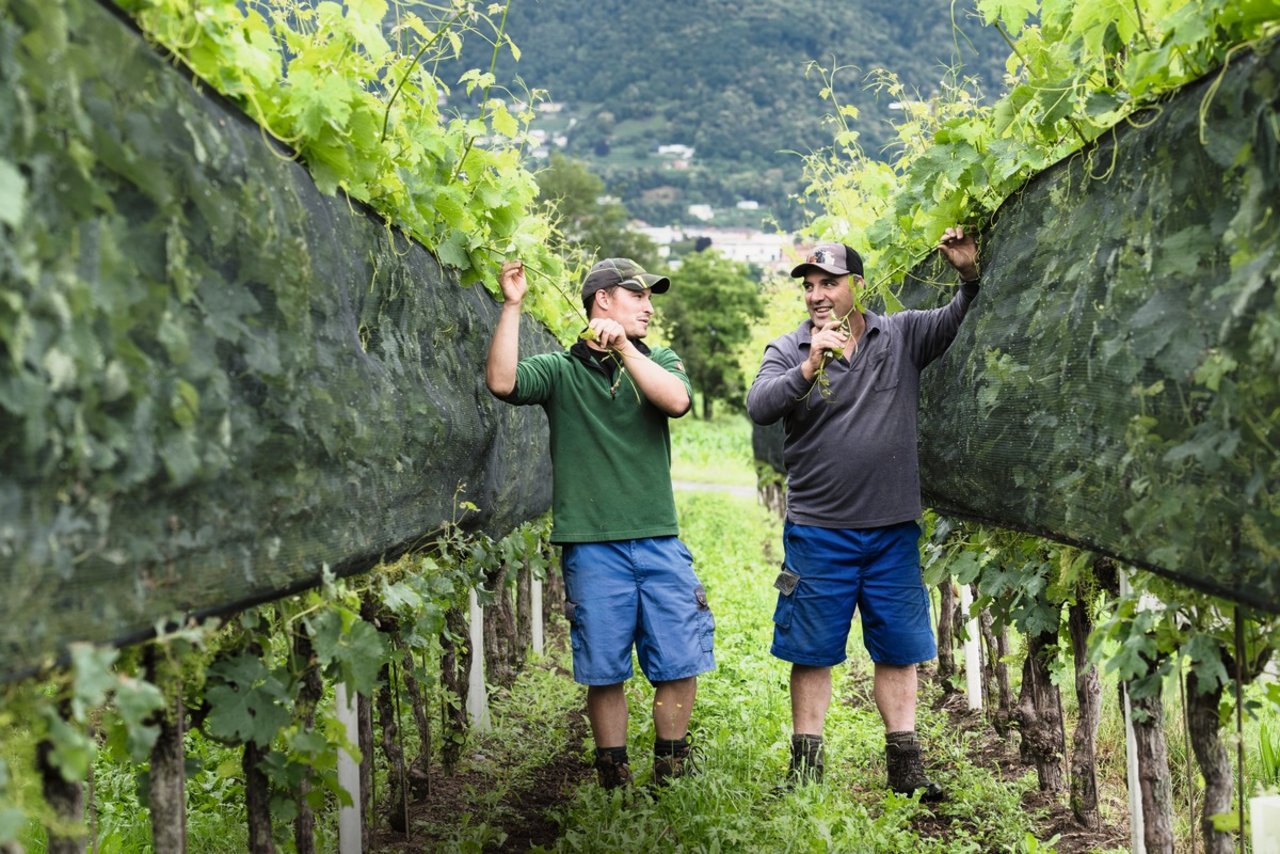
636 592
829 571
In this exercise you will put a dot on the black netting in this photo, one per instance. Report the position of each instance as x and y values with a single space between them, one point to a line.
214 380
1117 384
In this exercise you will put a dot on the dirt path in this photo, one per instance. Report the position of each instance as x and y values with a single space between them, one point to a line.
477 793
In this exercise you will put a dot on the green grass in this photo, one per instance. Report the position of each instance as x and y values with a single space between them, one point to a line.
742 724
715 451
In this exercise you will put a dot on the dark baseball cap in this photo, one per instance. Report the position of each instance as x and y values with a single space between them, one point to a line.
834 258
624 272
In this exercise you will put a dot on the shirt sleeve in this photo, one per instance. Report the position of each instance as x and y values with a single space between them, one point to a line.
536 378
779 385
667 359
931 332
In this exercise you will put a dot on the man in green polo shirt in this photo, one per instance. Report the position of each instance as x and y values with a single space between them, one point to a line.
629 581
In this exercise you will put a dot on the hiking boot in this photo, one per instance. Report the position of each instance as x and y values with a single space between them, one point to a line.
807 754
612 768
673 759
906 769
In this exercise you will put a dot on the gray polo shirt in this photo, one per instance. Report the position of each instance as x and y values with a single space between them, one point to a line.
851 458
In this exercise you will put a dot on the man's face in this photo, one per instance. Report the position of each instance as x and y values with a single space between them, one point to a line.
632 309
828 296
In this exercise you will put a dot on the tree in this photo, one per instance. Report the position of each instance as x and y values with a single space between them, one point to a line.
589 222
707 317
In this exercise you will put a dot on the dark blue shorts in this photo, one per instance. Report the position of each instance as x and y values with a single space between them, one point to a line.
636 592
829 571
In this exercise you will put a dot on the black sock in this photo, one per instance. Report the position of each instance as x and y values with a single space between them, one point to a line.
670 747
618 754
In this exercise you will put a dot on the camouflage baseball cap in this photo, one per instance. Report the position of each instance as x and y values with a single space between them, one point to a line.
624 272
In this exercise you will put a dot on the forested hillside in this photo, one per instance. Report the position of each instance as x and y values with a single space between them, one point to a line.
729 80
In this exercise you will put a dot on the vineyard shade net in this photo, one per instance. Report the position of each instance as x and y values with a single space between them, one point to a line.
215 382
1117 384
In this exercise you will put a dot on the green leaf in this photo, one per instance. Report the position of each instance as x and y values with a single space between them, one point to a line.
358 651
505 123
137 700
315 104
184 404
1013 13
13 195
93 678
249 705
73 749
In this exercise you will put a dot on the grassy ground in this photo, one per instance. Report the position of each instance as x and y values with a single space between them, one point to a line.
716 451
742 725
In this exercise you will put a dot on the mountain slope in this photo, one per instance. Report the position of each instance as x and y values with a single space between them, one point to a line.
726 78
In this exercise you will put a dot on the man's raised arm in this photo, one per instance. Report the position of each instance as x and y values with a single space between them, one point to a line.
504 350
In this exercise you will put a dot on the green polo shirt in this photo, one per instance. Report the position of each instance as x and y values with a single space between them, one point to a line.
610 453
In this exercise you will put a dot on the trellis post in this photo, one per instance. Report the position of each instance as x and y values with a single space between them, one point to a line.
1137 831
349 831
972 650
477 696
1265 820
535 605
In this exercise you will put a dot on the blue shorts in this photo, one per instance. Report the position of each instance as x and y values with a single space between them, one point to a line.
640 592
830 570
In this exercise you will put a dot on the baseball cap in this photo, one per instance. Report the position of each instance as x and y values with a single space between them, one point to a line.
624 272
834 258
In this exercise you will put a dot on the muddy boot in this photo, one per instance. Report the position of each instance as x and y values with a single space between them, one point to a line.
906 769
673 759
806 760
612 767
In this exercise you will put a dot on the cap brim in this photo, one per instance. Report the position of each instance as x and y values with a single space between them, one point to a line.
799 270
657 284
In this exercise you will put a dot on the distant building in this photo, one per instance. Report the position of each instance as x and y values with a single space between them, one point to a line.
702 212
550 106
771 252
751 246
748 205
683 152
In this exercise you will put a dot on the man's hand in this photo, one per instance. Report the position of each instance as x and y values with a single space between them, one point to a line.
961 252
513 282
830 337
609 334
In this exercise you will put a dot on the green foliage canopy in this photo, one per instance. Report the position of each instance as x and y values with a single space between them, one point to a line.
707 316
732 80
215 381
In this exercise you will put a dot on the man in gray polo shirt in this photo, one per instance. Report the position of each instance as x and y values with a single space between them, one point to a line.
846 385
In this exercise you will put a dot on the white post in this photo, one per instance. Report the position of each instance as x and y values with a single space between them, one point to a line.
535 597
477 696
349 832
972 651
1265 817
1137 831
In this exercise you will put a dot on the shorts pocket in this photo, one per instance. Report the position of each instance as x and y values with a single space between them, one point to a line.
782 613
706 620
575 630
